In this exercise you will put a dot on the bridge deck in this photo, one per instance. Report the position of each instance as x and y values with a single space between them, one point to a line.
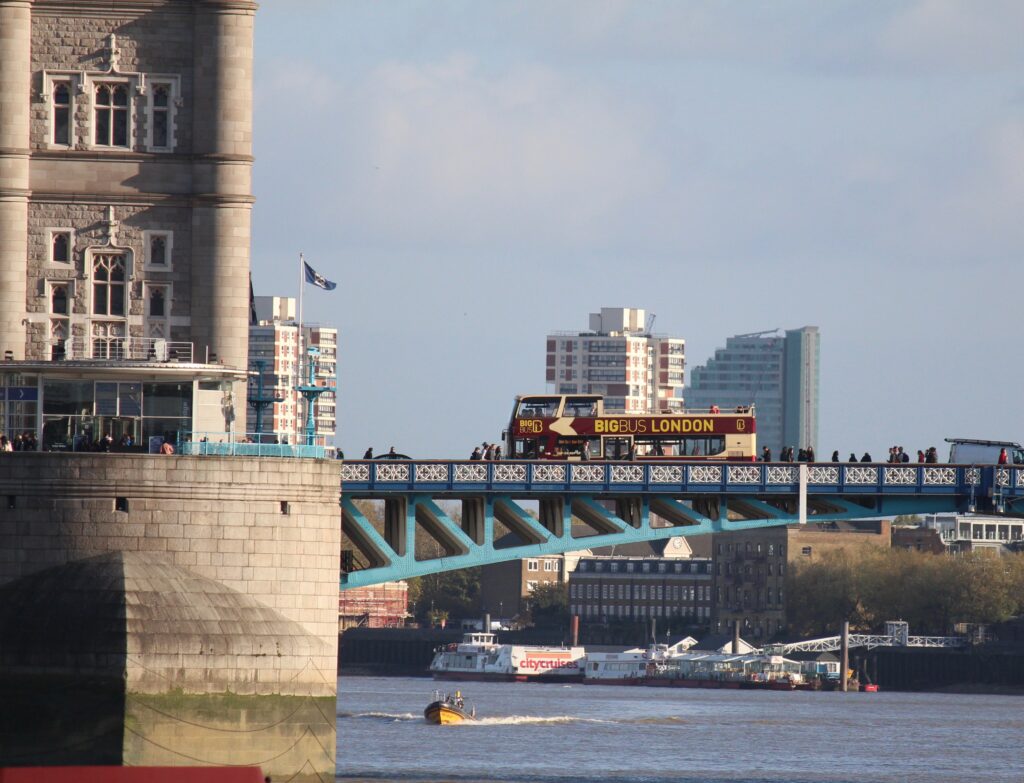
616 502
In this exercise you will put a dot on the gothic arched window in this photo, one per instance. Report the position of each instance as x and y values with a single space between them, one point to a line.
108 284
112 115
62 113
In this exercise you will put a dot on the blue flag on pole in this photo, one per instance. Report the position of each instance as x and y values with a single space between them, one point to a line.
317 279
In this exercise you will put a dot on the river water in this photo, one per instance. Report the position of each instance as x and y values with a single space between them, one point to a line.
543 733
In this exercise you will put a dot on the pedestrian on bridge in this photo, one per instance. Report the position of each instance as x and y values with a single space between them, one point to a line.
835 455
369 453
866 457
477 454
853 457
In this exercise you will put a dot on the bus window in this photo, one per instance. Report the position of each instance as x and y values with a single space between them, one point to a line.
538 407
704 447
580 406
616 448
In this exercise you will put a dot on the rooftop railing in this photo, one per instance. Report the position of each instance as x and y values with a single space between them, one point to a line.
125 349
245 444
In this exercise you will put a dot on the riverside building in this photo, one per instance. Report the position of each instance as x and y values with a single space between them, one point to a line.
619 357
274 343
750 568
778 373
125 197
620 589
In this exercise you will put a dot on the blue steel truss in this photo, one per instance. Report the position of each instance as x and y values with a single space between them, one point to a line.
582 505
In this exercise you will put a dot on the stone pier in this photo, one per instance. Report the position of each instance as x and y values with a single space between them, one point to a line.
168 610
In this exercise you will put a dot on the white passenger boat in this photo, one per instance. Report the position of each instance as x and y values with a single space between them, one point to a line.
479 657
631 667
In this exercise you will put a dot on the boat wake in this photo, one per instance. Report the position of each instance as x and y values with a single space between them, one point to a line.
515 720
527 720
384 717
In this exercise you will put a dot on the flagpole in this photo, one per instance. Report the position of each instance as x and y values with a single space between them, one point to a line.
298 348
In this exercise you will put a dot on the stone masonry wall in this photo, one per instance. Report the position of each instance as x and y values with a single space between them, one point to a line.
268 528
152 41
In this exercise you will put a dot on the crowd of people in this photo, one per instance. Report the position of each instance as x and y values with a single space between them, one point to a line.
23 442
897 455
489 452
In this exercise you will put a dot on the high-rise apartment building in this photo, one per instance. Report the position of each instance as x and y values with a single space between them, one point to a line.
125 199
778 373
274 341
636 371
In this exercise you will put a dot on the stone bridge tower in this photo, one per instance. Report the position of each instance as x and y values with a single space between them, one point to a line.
125 174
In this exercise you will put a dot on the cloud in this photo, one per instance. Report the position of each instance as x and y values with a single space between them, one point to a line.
448 149
957 35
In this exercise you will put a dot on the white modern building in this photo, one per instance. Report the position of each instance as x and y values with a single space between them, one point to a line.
274 341
976 532
619 357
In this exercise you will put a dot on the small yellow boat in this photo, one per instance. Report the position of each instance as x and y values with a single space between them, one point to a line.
448 708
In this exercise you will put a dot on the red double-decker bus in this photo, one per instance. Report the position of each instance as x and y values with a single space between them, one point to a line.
576 427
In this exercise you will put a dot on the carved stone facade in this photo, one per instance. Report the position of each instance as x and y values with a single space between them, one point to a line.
125 175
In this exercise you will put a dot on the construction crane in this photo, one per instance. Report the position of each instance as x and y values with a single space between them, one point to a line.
650 324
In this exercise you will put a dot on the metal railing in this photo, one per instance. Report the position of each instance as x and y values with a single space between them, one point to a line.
244 444
125 349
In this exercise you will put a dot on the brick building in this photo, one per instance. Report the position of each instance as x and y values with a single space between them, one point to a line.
750 568
610 588
377 606
505 588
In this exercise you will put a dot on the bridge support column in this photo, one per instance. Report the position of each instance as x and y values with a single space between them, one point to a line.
396 512
631 511
552 515
474 519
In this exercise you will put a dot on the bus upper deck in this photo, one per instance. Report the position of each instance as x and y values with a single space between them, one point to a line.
576 426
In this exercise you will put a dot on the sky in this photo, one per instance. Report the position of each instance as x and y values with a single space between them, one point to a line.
475 175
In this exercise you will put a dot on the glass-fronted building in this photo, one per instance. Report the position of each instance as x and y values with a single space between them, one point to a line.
73 406
776 372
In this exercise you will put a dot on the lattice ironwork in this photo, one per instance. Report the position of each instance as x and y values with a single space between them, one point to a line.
744 474
627 474
903 477
391 472
783 474
973 476
1020 477
549 474
588 474
359 473
823 474
432 472
666 474
860 475
705 474
940 477
1002 477
507 474
475 473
